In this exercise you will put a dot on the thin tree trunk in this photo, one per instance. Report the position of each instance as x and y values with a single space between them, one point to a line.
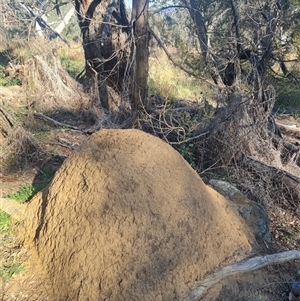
204 42
141 52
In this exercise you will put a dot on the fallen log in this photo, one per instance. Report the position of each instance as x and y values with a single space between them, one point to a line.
247 265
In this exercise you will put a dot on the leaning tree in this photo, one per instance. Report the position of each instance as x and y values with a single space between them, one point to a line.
116 51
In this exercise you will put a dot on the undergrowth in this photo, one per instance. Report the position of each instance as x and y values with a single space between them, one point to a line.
72 59
11 264
6 223
288 98
11 268
23 194
26 192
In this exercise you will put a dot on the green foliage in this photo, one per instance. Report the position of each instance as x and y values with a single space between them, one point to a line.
6 81
187 151
288 98
193 60
47 175
6 222
9 81
11 268
20 113
26 192
23 194
70 66
72 62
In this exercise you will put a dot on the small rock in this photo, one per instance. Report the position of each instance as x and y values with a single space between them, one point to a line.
253 213
295 287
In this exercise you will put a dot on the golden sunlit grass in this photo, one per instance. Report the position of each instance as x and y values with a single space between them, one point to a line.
171 82
72 58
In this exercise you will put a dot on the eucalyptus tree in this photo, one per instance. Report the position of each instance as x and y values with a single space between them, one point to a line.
116 51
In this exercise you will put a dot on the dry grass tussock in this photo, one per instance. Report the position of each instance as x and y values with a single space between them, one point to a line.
46 87
19 148
47 84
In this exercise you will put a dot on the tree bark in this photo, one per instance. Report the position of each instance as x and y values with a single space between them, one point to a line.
201 31
141 51
116 52
104 28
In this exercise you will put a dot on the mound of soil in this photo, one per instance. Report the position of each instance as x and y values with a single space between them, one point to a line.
126 218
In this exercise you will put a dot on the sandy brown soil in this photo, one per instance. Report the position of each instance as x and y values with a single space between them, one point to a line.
127 218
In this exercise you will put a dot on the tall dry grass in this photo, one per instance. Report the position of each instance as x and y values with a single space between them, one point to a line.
171 82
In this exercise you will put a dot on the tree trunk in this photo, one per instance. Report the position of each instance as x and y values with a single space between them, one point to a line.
116 52
141 51
201 31
103 25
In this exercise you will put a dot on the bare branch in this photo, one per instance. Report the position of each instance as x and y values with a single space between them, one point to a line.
189 139
247 265
167 7
42 116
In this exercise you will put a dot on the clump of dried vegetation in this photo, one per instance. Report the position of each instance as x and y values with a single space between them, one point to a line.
45 87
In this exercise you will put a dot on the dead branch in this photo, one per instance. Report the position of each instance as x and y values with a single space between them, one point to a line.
170 124
42 116
104 123
280 177
247 265
167 7
189 139
189 109
291 130
7 122
263 165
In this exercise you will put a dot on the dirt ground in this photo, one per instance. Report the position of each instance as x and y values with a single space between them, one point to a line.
271 283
